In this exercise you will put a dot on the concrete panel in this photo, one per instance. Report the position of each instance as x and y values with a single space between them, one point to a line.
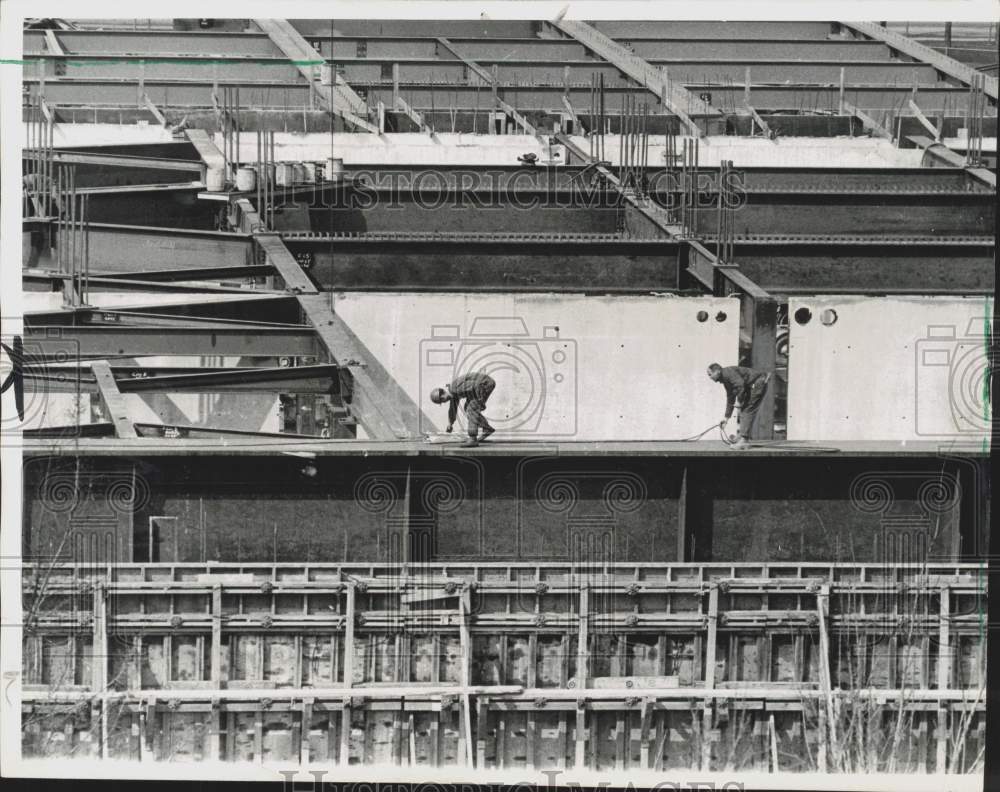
588 368
893 368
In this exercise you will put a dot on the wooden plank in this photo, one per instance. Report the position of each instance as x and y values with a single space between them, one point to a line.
349 618
216 648
944 671
580 735
482 714
644 736
344 755
822 611
582 647
307 717
469 740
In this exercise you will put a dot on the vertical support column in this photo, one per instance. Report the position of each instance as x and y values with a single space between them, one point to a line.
214 732
644 736
216 656
822 611
710 644
100 640
746 87
582 648
763 357
580 761
944 678
395 86
465 638
349 637
840 93
307 711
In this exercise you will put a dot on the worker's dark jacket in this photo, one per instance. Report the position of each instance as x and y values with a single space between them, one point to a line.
738 382
475 387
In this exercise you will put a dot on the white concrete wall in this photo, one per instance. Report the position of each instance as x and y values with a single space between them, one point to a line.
407 148
893 368
631 368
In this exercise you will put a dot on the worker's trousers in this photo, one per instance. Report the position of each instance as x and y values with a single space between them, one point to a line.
474 406
749 411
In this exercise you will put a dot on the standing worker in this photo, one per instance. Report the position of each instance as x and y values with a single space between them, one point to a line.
745 389
475 387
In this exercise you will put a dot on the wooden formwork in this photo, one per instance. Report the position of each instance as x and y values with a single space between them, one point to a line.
544 666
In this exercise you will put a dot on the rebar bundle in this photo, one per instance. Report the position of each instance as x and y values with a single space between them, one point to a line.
72 236
725 234
39 158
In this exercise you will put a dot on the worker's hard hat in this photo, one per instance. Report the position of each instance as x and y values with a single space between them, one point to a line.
438 395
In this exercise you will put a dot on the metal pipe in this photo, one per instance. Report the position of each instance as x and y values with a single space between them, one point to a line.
72 222
603 119
237 157
59 261
621 143
86 249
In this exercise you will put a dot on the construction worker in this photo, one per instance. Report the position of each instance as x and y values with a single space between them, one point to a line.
745 390
475 387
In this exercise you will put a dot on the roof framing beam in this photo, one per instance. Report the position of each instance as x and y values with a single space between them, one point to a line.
641 71
321 378
920 52
107 341
340 98
113 400
488 78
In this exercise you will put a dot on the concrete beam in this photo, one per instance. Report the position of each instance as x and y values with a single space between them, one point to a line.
641 71
125 161
278 256
154 109
867 121
207 150
340 98
920 52
487 77
113 400
924 121
381 407
950 158
52 42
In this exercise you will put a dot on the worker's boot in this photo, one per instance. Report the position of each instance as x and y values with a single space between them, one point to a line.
741 443
470 443
486 433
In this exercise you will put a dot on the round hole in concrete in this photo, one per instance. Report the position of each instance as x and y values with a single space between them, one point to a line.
720 316
828 317
803 315
702 316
